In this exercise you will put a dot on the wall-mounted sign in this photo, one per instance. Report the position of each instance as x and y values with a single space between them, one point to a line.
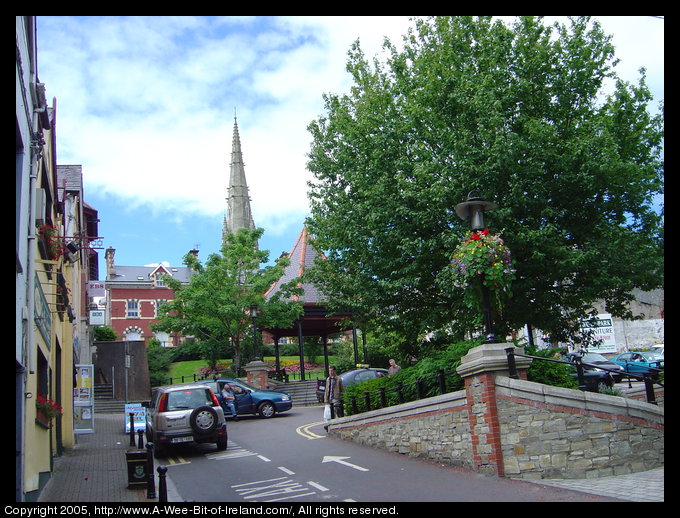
83 399
97 317
95 288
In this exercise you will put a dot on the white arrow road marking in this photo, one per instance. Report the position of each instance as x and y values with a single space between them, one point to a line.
339 460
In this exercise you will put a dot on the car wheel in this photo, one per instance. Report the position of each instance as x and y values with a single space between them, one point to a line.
221 443
204 420
266 409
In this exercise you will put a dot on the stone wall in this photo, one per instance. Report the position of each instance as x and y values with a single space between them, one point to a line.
551 432
435 428
516 428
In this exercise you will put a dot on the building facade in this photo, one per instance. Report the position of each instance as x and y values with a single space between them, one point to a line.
52 265
133 296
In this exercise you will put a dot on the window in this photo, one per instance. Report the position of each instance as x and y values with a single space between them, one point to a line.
132 309
158 305
159 280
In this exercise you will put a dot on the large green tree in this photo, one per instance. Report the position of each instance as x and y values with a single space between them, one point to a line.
213 306
520 116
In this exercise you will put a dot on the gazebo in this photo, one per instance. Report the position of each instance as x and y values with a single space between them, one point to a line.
316 320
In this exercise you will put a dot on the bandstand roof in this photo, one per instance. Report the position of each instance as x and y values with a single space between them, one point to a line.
315 321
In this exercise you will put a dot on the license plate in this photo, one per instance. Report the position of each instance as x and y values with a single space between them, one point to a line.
182 439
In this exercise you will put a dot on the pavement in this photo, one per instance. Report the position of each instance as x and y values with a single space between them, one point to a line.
95 470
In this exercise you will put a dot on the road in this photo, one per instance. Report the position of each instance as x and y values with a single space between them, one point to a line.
289 459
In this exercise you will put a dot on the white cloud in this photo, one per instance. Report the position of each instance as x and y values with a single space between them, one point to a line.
146 104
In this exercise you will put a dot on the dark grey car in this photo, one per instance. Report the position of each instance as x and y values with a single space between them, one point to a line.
600 361
179 414
350 378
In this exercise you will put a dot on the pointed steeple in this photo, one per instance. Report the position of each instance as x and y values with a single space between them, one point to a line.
238 214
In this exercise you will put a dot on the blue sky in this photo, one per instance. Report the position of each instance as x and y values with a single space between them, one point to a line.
146 105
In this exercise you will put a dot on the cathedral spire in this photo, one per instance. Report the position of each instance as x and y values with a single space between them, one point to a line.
238 214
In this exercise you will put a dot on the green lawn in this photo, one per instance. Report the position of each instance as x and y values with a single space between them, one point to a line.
189 368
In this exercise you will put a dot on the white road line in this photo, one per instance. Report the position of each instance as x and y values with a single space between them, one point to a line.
286 470
264 458
318 486
259 482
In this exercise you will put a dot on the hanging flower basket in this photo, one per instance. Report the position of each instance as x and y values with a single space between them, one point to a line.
55 244
483 258
47 408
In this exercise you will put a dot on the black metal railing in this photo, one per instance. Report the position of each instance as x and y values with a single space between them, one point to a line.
403 392
646 377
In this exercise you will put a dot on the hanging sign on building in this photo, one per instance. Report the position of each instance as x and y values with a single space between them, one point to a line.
602 332
97 317
95 288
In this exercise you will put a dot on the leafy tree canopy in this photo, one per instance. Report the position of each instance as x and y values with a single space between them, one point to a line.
517 115
213 306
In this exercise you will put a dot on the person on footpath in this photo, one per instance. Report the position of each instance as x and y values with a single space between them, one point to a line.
230 400
333 392
393 367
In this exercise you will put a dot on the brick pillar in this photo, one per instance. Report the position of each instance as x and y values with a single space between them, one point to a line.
257 375
479 369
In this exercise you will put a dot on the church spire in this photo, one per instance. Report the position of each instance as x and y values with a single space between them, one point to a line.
238 214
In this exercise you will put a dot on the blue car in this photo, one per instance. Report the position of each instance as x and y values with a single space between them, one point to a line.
251 400
640 362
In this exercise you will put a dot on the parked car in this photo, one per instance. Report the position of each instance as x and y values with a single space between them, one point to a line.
179 414
594 379
350 378
601 361
252 400
640 362
657 349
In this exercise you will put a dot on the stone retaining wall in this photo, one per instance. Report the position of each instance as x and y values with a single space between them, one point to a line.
519 429
551 432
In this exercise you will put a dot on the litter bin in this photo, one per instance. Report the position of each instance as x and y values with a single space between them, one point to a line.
137 462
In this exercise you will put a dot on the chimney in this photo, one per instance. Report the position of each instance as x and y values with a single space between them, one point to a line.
194 252
110 265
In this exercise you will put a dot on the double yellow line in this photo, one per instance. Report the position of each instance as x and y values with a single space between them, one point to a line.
178 460
304 430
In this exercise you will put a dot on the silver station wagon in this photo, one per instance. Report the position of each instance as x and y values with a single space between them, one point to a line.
179 414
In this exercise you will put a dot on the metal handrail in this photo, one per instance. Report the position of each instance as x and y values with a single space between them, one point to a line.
645 377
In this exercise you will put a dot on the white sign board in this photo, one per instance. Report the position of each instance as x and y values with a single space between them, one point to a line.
139 419
95 288
97 318
603 332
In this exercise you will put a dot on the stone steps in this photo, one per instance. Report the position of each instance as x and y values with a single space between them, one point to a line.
303 393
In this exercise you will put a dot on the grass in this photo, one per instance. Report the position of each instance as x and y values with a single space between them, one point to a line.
189 368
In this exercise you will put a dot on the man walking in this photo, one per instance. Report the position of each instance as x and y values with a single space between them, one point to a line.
333 393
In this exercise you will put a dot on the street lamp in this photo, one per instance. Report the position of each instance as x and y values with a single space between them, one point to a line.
473 209
254 310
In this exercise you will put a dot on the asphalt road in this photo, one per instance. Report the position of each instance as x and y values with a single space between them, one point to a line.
289 459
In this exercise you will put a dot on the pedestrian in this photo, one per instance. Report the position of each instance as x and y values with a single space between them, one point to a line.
393 367
333 392
230 400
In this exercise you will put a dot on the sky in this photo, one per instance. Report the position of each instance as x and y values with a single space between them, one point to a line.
146 105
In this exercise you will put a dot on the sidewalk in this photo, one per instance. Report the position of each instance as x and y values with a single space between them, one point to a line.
96 471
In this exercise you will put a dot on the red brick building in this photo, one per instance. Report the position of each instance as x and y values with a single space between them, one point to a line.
133 296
